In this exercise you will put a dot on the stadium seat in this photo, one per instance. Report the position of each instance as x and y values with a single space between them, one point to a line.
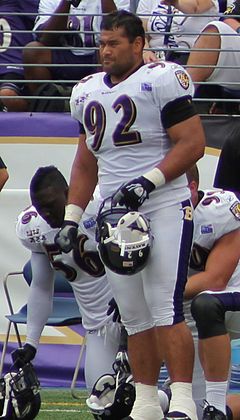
65 312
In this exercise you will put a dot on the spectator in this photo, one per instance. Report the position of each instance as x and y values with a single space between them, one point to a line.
214 287
227 174
79 56
48 190
3 174
169 16
15 33
116 148
217 61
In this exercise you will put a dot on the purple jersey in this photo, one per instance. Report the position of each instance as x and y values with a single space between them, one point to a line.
9 38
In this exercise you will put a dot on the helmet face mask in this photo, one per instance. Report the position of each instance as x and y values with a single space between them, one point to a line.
19 394
124 239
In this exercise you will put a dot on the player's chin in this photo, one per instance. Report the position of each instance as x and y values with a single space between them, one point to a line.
107 66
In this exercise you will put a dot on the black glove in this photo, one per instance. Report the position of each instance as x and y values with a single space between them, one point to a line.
74 3
66 238
23 355
113 309
133 193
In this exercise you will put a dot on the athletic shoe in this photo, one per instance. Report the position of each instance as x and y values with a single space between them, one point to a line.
212 413
176 415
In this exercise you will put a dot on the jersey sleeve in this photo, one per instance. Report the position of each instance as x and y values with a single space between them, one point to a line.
28 229
122 4
76 103
46 9
144 7
171 84
222 214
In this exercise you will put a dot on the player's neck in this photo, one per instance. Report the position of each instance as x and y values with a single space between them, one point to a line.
115 79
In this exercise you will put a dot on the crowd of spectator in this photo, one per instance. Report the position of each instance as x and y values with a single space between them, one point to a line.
47 46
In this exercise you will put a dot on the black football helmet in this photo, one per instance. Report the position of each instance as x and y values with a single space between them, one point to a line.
124 238
20 394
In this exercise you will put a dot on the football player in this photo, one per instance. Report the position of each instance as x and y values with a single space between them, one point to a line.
214 286
36 228
16 24
139 133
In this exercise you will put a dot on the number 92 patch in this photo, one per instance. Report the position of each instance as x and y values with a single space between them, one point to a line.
183 79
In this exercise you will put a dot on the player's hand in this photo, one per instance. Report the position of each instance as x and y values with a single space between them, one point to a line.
74 3
66 238
23 355
133 193
114 310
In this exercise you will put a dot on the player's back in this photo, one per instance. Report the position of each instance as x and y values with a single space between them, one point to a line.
82 266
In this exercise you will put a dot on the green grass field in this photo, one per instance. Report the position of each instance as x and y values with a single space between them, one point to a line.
59 404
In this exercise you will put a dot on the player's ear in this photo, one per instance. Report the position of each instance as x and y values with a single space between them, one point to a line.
138 44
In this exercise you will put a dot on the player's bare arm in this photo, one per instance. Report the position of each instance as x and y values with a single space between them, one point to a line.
108 6
83 178
189 143
221 264
3 177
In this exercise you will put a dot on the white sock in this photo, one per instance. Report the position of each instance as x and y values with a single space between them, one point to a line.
146 405
182 399
216 394
164 400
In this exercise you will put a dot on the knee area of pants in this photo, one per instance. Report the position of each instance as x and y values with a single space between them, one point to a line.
209 313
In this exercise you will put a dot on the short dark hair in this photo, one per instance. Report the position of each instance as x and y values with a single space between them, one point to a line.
47 176
193 174
131 23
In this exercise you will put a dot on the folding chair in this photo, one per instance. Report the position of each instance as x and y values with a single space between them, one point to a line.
65 313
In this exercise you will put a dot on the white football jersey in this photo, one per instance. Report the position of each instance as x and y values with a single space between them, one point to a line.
217 214
185 29
89 18
81 266
123 126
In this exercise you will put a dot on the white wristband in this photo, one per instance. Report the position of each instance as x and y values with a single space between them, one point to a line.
156 177
73 213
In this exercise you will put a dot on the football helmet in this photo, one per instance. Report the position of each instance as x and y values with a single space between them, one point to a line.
124 238
20 394
113 396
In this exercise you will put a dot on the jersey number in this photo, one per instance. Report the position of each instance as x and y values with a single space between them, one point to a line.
6 35
95 121
88 261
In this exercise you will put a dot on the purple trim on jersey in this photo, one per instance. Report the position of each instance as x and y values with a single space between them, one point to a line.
230 300
107 77
38 124
184 255
2 164
81 129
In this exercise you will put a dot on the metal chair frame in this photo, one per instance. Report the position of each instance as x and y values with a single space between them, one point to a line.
20 316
